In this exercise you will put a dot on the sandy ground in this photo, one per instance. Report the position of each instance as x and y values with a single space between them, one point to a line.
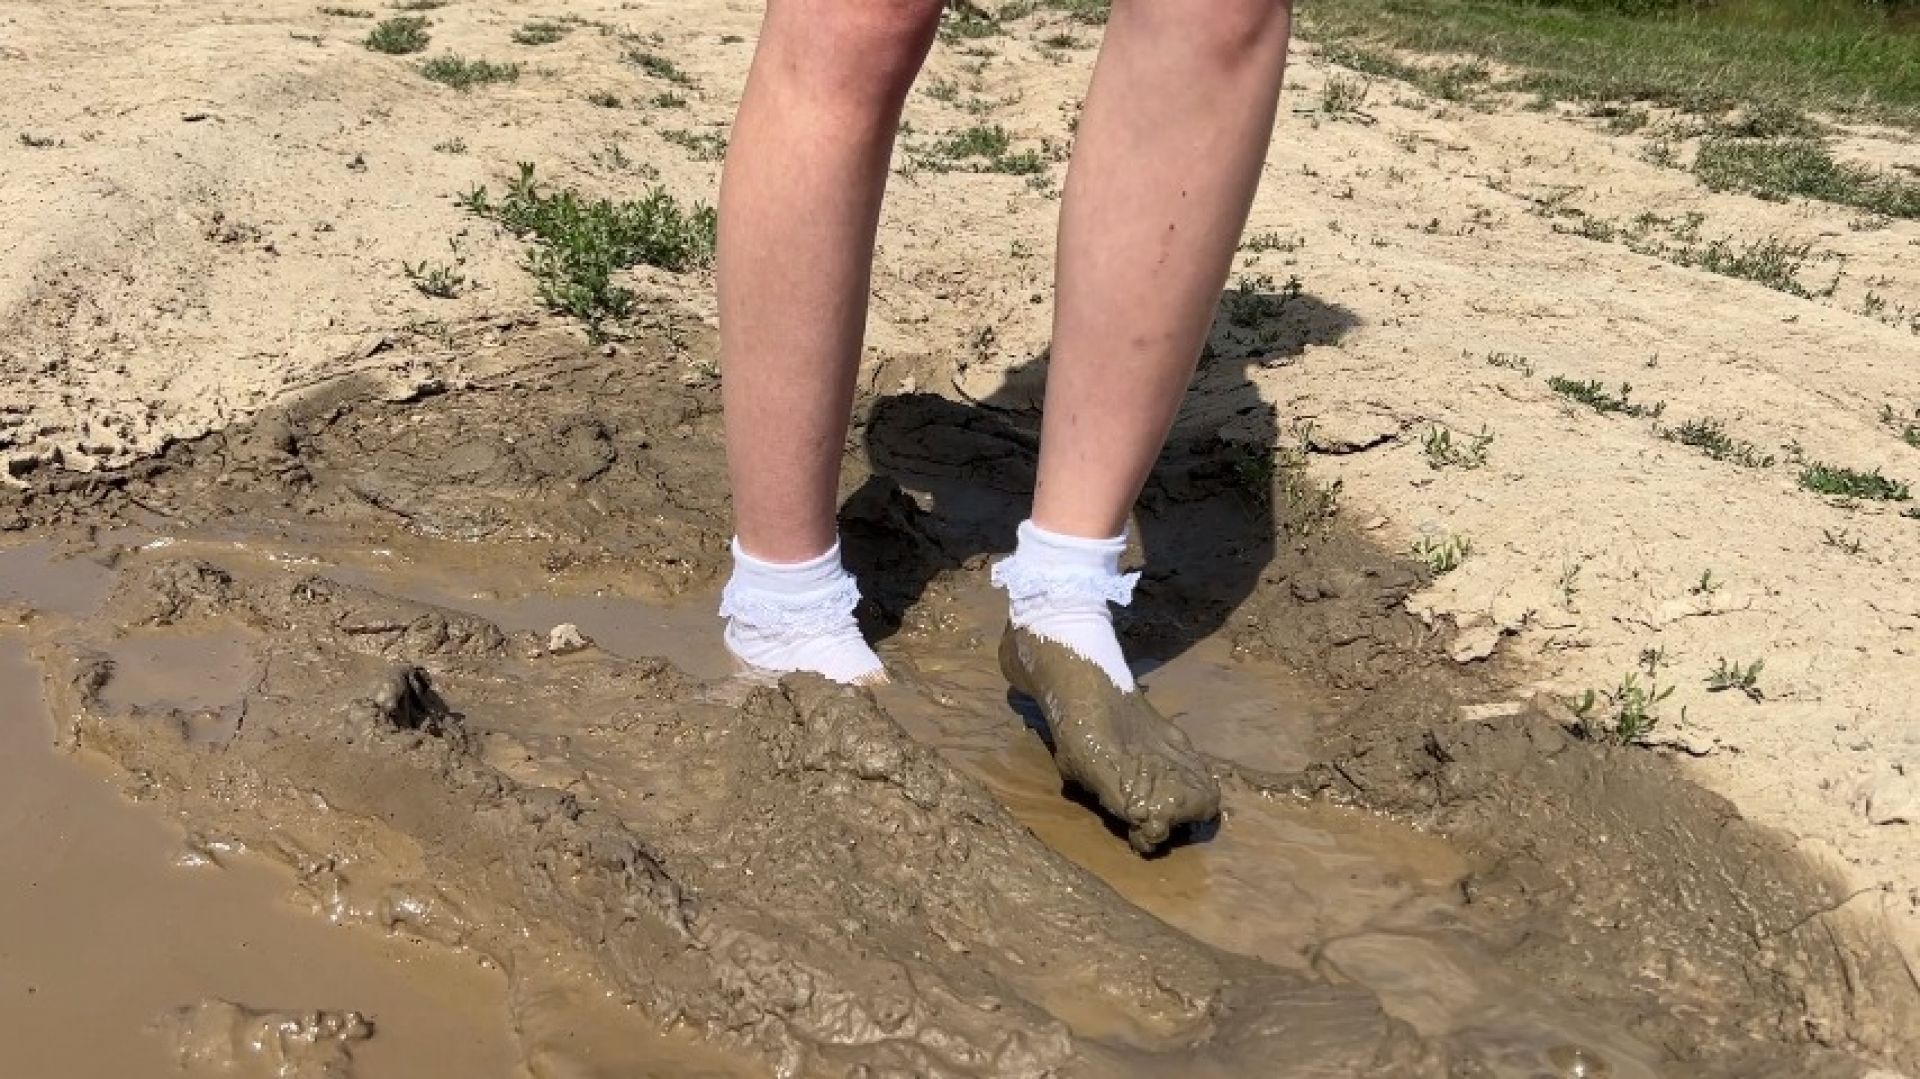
231 194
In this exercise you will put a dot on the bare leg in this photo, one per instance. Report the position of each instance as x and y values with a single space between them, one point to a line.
799 205
1169 155
1164 170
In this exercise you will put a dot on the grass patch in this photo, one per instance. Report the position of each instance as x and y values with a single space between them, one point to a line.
541 32
1852 483
658 66
463 74
418 5
347 12
1343 96
701 145
1855 59
1710 437
400 35
1596 396
980 148
579 243
1782 168
1621 717
604 99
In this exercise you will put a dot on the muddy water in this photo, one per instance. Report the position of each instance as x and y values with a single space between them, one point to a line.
1295 884
131 946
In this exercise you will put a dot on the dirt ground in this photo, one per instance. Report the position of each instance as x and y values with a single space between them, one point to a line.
220 383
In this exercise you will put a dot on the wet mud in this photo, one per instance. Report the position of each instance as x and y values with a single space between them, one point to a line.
327 637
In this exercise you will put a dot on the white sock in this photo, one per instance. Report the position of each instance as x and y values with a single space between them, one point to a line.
1058 588
797 617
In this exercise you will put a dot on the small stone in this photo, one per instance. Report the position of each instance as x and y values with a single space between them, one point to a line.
566 637
1894 799
1475 643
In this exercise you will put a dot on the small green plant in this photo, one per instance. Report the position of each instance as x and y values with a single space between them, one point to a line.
1745 678
669 100
438 280
1261 242
702 145
1622 717
1908 428
658 66
455 145
980 148
1511 361
1442 554
399 35
346 12
38 142
604 99
1595 396
1253 472
1469 452
541 32
418 5
578 244
463 74
966 21
1710 437
1841 482
1706 585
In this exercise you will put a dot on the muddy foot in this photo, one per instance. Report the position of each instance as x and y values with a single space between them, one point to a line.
1112 743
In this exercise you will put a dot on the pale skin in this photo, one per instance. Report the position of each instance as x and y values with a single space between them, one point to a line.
1165 166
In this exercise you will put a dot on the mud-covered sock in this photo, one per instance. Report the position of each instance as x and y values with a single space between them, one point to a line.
797 616
1059 587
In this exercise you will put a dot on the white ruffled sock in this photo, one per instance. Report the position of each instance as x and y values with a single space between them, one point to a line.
785 617
1059 587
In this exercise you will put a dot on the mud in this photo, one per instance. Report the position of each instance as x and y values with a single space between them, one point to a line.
1416 873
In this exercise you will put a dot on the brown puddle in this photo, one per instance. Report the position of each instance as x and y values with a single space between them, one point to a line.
132 947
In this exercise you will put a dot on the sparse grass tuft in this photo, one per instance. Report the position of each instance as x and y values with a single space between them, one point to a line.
1780 169
399 35
438 280
1852 483
1595 396
980 148
604 99
418 5
541 32
464 74
1908 428
1343 96
702 145
1746 679
1511 361
1710 437
346 12
579 243
455 145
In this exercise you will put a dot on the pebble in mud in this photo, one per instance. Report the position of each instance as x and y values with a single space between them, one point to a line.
232 1039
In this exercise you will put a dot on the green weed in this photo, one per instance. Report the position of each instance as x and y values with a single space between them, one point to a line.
1710 437
1622 717
399 35
1343 96
981 148
658 66
1907 428
1442 554
436 279
541 32
1746 679
346 12
578 244
1511 361
1443 450
463 74
604 99
455 145
418 5
1841 482
702 145
1596 396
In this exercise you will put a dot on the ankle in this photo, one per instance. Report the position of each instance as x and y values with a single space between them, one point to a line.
1062 588
788 617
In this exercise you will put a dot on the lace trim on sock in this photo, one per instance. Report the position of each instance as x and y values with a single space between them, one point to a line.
811 614
1026 583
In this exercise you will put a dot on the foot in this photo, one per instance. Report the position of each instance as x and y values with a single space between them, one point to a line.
1111 742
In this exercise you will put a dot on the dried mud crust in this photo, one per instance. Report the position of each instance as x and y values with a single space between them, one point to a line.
894 917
